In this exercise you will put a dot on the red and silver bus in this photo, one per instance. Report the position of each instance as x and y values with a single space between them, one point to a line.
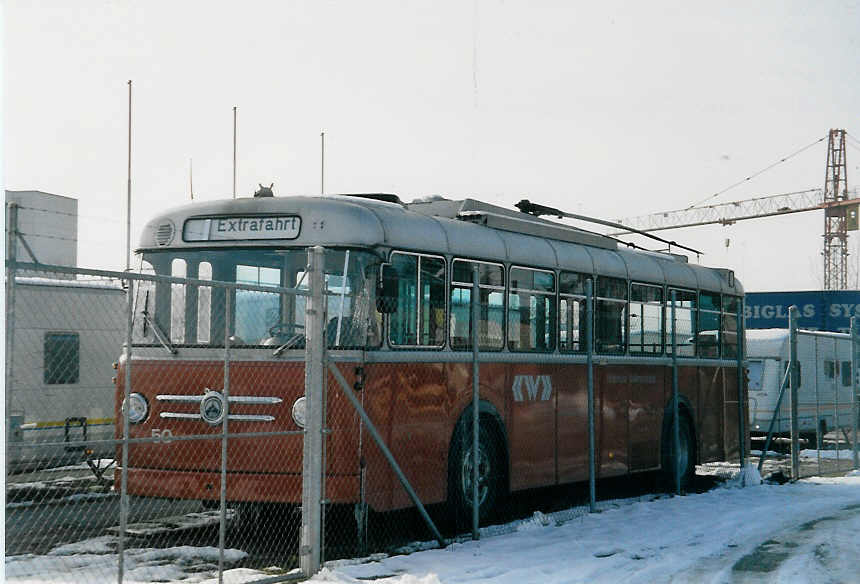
411 362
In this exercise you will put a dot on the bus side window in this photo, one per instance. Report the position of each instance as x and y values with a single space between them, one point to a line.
419 318
731 310
571 311
646 319
685 322
610 310
709 325
531 310
491 285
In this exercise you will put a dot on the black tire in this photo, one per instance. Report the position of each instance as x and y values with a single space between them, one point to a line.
491 471
687 450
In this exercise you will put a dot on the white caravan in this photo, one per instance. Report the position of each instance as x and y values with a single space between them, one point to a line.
824 393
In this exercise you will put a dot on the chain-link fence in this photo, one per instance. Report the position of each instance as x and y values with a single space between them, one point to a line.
804 401
154 451
252 431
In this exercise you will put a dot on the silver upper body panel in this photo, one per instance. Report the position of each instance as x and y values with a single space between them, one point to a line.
467 228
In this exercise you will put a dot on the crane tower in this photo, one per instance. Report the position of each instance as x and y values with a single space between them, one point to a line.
835 217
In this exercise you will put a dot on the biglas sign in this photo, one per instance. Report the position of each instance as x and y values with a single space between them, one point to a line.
242 228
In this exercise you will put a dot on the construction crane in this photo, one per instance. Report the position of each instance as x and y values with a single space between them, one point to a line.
840 213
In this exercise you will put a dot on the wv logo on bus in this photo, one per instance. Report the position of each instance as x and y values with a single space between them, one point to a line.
532 384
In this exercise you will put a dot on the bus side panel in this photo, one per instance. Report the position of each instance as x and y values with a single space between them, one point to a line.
710 423
730 427
612 391
531 424
572 435
646 417
409 404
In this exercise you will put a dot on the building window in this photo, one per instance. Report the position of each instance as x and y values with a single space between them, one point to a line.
846 373
62 358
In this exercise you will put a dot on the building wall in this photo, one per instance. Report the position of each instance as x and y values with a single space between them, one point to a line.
820 310
49 224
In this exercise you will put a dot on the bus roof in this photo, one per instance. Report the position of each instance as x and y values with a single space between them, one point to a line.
465 228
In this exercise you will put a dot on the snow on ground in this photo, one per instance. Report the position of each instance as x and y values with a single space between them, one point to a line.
94 561
806 532
811 528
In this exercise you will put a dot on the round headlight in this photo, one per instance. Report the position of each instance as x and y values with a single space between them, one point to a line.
300 411
138 408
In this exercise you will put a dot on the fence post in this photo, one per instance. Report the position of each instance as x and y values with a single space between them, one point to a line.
589 372
792 393
222 514
855 362
743 406
676 428
475 400
309 550
12 256
123 499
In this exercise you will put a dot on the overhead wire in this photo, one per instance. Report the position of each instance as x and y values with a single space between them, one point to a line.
754 175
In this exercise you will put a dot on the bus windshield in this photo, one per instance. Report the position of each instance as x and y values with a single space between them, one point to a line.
186 315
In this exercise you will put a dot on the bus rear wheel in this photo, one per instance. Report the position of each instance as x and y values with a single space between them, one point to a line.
686 454
491 473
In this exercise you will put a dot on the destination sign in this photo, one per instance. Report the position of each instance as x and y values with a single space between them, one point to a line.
242 228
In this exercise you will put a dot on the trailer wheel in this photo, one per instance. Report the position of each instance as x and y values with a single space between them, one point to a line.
491 471
687 452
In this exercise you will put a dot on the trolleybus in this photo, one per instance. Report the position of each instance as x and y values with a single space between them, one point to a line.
400 282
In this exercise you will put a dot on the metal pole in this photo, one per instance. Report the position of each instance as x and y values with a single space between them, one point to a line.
309 550
819 439
676 428
123 509
11 257
743 407
128 194
322 163
475 399
837 426
855 362
235 114
792 393
374 433
222 515
589 372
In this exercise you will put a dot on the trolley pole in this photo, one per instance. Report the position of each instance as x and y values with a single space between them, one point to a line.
792 393
676 428
855 362
309 550
589 372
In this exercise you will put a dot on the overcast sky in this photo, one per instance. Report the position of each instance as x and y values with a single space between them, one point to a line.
609 109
